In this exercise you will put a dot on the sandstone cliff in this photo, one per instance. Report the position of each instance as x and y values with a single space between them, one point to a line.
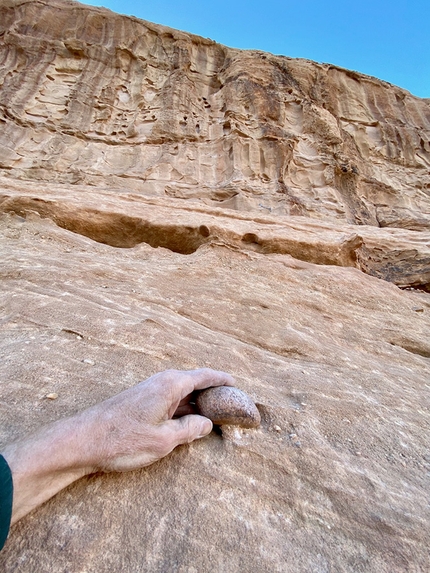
155 110
168 202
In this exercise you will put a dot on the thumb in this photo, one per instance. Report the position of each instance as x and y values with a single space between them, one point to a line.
189 428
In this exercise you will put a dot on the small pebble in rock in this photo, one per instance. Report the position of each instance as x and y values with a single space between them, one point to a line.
295 440
79 337
227 405
88 361
52 396
277 428
418 308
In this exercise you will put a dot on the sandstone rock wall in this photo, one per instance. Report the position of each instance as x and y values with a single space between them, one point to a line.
88 96
167 202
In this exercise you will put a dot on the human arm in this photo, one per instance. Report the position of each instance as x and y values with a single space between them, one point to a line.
128 431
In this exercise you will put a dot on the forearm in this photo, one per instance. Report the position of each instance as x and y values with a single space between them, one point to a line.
45 463
128 431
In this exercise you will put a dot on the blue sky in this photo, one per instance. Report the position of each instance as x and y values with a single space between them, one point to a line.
386 39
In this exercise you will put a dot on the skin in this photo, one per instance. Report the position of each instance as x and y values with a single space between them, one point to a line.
128 431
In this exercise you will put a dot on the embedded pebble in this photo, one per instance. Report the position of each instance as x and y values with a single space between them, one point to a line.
52 396
227 405
295 440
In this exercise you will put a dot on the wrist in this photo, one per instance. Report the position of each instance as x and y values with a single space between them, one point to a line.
45 463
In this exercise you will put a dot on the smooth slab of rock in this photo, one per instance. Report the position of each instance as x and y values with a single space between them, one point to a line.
339 361
227 405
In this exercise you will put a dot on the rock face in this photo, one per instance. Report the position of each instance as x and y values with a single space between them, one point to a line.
167 202
97 98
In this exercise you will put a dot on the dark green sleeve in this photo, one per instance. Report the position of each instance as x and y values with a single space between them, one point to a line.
6 494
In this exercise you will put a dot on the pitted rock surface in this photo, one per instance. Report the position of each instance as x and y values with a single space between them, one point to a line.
168 202
227 405
91 97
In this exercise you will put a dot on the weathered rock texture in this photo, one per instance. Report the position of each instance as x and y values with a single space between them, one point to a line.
167 202
93 97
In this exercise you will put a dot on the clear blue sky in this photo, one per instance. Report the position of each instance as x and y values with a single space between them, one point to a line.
382 38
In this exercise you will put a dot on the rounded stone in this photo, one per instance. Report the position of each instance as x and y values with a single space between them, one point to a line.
228 405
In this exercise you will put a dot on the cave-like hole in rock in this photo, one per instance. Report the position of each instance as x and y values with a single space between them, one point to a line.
114 229
250 238
124 231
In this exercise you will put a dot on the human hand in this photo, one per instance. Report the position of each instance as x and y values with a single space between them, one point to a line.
130 430
146 422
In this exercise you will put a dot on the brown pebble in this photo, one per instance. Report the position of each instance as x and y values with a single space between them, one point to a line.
227 405
52 396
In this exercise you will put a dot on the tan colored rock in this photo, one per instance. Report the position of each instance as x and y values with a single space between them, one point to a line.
133 242
400 255
113 101
339 361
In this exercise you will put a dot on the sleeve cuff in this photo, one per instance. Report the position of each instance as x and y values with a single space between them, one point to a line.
6 495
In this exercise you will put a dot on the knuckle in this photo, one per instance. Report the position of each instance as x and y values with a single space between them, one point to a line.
188 430
205 371
167 377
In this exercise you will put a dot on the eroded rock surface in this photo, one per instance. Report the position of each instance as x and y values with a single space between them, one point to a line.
167 202
89 96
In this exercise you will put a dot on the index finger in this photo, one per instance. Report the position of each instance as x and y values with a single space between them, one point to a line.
189 380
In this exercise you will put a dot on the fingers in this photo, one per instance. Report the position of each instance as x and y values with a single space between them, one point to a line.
149 408
184 410
206 377
187 400
188 428
183 383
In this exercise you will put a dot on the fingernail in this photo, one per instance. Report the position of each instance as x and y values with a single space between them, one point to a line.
205 429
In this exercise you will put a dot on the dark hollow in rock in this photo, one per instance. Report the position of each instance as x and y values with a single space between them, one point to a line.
227 405
114 229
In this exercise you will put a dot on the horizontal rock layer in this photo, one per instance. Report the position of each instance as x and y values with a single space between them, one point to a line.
167 202
398 255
